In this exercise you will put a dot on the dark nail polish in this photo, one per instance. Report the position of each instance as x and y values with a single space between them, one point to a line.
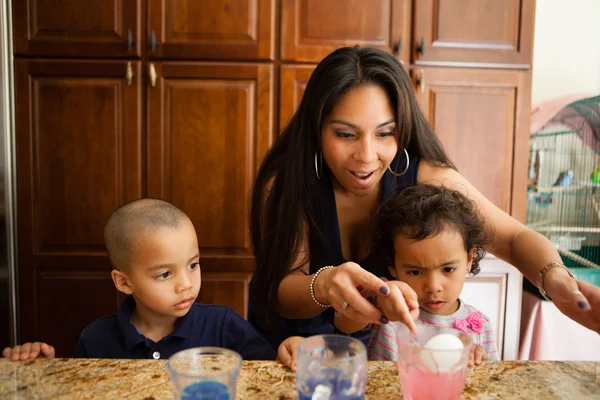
384 290
384 320
582 304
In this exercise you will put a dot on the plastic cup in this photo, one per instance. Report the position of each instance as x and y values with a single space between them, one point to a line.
428 374
207 373
331 367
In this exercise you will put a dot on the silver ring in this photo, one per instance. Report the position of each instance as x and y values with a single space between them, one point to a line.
345 305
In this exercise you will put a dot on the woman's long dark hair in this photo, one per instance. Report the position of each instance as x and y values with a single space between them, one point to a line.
284 193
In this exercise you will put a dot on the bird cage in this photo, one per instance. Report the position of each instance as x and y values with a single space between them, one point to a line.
563 196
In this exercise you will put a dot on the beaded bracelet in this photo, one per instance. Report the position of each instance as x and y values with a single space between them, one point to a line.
312 286
542 275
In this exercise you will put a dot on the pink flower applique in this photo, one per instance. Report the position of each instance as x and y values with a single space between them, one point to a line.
474 321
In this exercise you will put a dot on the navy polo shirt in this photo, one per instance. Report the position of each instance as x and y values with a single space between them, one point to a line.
203 325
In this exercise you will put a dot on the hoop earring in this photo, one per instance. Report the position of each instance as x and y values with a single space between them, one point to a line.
405 169
317 167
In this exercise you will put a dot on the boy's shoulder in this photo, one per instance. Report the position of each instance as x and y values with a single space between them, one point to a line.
102 328
215 313
212 308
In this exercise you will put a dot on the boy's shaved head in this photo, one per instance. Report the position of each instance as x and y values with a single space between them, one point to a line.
133 218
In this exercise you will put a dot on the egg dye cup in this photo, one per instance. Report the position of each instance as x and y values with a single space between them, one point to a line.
205 373
428 374
332 367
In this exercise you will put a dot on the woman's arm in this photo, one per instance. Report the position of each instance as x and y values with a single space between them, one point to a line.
522 247
334 286
513 241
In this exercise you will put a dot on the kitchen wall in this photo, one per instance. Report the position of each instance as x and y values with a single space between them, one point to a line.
566 50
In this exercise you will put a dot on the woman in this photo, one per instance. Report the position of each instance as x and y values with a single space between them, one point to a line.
356 135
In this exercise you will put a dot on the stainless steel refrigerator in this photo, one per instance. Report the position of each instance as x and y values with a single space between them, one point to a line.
8 278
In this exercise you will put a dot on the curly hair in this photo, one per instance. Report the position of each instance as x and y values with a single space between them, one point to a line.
424 210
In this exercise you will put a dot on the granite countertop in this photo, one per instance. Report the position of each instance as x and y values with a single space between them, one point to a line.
65 378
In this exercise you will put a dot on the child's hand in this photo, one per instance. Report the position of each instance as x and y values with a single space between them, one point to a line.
288 350
28 351
478 354
400 304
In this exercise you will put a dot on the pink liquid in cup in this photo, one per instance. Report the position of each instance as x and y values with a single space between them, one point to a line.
419 384
422 377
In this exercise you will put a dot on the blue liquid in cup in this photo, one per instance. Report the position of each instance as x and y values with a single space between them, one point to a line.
205 390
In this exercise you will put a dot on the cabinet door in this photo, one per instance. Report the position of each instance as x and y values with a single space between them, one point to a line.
78 142
77 28
311 29
482 119
497 291
209 126
211 29
293 82
496 33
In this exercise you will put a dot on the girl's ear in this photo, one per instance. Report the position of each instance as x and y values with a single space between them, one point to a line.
470 257
393 272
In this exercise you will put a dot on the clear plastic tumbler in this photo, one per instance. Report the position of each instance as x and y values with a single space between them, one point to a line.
331 367
207 373
429 374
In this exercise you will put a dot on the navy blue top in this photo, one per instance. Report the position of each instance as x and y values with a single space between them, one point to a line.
203 325
331 255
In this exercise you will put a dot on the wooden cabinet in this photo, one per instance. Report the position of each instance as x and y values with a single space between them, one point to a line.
212 29
95 133
311 29
496 33
209 126
293 82
79 146
77 28
225 288
181 100
481 117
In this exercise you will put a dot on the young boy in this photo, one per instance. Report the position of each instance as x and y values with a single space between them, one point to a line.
433 236
153 248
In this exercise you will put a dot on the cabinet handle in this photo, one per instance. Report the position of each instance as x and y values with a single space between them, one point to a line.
129 74
421 81
421 47
399 51
152 74
130 40
152 41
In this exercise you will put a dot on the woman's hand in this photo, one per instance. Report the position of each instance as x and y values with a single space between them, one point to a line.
478 354
28 351
577 299
401 304
341 287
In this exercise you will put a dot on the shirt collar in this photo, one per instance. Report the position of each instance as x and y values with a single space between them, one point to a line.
133 337
184 324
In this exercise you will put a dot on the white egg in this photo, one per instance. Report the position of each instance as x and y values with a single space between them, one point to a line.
445 351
